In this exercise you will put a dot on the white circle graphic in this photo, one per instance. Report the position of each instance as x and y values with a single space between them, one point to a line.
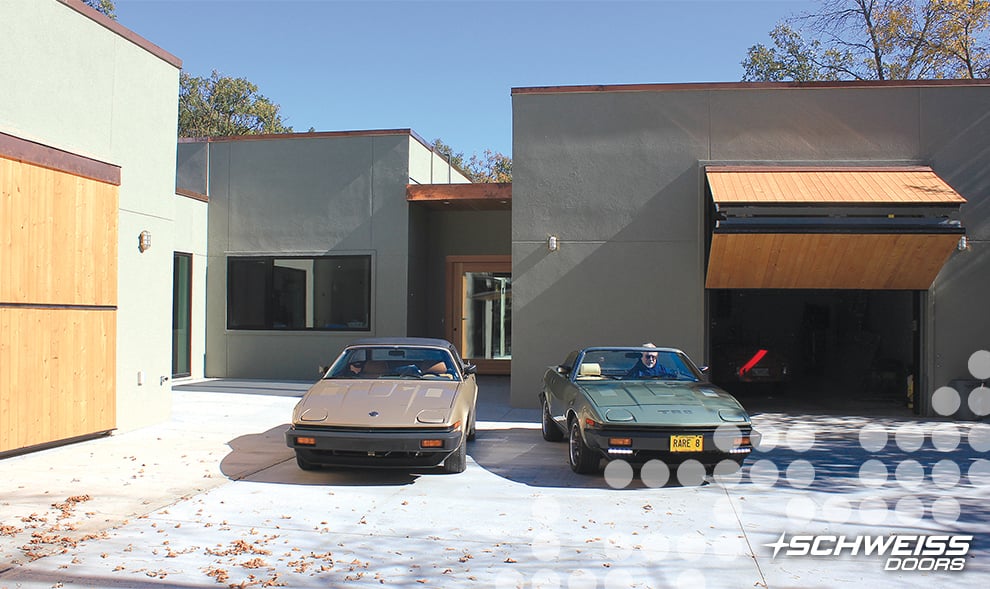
655 474
619 579
728 547
946 437
909 510
946 401
727 473
873 511
946 474
724 512
691 546
618 547
725 437
873 437
800 474
979 473
691 473
763 473
618 474
800 510
910 474
509 580
909 437
546 579
836 509
873 474
545 510
979 364
946 510
979 437
979 401
582 579
546 546
769 438
690 579
800 439
658 545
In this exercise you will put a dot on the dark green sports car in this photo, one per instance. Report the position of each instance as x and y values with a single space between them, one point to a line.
638 404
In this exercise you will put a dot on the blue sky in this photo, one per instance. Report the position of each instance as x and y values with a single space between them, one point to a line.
445 68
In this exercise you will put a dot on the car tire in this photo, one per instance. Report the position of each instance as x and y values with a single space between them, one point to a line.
457 461
583 459
551 432
303 463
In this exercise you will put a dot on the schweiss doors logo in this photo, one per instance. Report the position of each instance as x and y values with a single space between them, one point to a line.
903 552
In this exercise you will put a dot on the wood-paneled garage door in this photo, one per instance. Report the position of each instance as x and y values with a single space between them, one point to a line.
58 295
830 228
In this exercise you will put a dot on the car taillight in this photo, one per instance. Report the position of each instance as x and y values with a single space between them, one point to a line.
589 422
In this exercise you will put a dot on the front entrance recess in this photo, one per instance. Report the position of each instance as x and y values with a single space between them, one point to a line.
479 310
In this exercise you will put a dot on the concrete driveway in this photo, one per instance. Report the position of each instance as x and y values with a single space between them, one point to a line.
213 498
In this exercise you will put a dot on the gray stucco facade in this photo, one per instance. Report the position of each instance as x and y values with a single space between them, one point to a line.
328 194
617 175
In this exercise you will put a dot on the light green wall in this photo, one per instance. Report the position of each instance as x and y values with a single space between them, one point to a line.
70 83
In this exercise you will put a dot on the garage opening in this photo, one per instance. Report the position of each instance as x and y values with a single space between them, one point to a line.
828 350
815 277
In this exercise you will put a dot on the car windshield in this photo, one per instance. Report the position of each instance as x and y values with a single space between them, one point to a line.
394 363
634 364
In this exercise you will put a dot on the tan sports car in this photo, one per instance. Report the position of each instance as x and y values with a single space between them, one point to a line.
388 402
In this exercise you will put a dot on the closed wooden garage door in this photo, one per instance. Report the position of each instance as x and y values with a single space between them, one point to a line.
58 296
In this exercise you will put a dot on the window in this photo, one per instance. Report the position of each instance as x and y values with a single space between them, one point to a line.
299 293
181 314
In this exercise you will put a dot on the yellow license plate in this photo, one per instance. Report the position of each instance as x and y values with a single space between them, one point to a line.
686 443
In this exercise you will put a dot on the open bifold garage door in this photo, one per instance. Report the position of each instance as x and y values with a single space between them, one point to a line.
856 228
815 278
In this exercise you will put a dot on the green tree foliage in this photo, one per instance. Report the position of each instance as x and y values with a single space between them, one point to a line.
105 6
489 167
877 40
221 106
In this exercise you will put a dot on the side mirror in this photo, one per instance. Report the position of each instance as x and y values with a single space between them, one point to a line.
563 370
703 369
323 370
470 369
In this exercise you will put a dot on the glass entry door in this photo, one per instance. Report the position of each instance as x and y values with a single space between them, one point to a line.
479 318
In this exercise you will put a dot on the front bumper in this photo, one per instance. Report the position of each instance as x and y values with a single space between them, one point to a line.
373 447
646 444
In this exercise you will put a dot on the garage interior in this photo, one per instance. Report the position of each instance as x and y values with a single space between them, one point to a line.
840 348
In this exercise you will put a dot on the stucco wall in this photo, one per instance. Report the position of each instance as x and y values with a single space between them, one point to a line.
617 177
71 83
305 196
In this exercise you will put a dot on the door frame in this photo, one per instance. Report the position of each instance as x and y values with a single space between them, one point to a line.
454 318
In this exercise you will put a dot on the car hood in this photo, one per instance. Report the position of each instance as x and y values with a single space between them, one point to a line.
376 403
665 402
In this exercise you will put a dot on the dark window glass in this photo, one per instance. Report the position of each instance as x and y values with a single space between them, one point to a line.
181 314
330 292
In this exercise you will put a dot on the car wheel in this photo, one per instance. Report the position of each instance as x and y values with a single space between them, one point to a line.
303 463
582 458
551 432
457 461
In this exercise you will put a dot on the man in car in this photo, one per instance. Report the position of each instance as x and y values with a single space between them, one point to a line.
647 367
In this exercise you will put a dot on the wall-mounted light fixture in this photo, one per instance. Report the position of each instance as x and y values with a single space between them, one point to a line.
144 241
552 243
963 244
